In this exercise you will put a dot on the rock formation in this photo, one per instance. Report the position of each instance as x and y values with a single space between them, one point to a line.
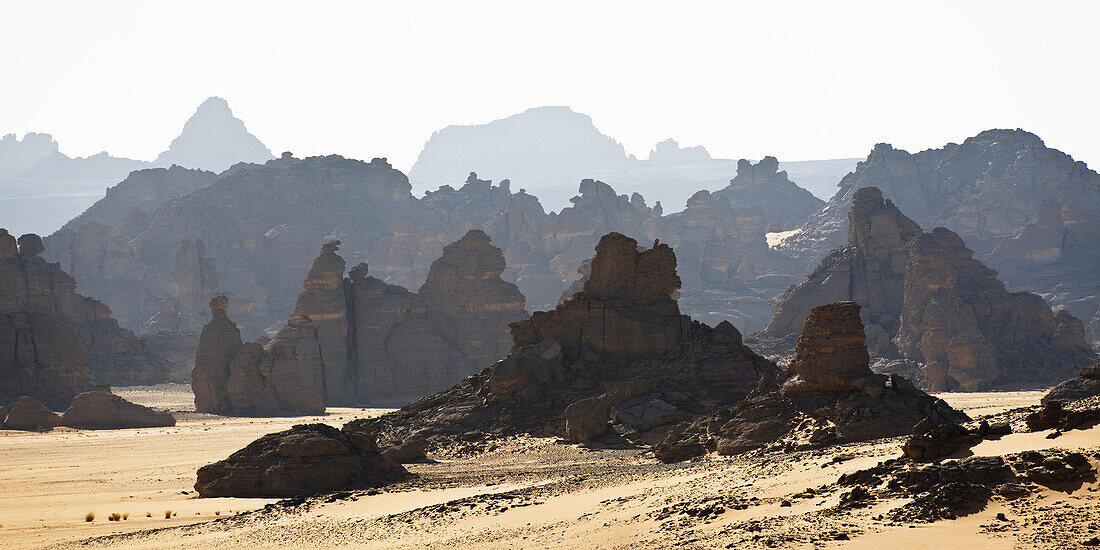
1030 212
616 357
213 139
1086 384
827 395
932 311
763 185
40 357
358 340
307 459
114 354
29 414
173 332
102 410
234 378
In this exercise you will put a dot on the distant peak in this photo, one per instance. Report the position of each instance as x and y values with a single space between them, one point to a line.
214 139
215 103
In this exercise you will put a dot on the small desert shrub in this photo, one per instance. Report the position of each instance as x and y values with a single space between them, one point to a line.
217 513
115 516
89 517
148 514
167 514
125 515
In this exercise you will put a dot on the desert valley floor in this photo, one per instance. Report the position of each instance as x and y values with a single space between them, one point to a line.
525 492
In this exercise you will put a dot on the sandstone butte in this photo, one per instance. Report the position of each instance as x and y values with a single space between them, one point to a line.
354 340
932 312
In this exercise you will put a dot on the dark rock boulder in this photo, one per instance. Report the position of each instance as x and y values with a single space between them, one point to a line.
100 410
307 459
1086 384
827 395
29 414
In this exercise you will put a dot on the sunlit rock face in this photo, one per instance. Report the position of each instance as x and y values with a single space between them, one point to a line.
1028 211
932 311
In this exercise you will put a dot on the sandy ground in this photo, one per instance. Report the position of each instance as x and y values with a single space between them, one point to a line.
529 492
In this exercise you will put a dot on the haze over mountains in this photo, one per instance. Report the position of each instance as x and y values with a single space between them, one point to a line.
546 150
41 188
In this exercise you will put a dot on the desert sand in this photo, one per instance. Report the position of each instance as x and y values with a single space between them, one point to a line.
526 492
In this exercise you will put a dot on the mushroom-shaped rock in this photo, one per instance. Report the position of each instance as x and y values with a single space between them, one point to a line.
31 245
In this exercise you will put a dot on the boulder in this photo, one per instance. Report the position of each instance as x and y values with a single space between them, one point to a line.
588 418
305 460
100 410
29 414
1086 384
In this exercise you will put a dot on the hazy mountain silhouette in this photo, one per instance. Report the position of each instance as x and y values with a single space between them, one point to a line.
546 150
42 188
213 139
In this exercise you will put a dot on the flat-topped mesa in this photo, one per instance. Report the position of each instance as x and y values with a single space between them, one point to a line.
626 306
616 356
828 395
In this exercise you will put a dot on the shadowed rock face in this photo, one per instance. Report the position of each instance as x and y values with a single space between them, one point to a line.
932 311
356 339
40 357
763 186
307 459
114 355
1086 384
828 395
29 414
101 410
1030 212
616 356
234 378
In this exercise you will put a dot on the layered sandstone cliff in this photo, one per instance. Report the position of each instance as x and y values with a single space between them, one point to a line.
355 339
114 354
763 185
933 312
1028 211
616 359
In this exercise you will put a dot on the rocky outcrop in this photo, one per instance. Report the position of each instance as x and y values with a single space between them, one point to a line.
173 332
827 395
1086 384
115 355
102 410
354 340
40 357
932 311
670 152
308 459
29 414
1030 212
254 379
763 185
143 191
616 360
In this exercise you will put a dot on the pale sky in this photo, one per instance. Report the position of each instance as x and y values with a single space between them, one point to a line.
798 80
